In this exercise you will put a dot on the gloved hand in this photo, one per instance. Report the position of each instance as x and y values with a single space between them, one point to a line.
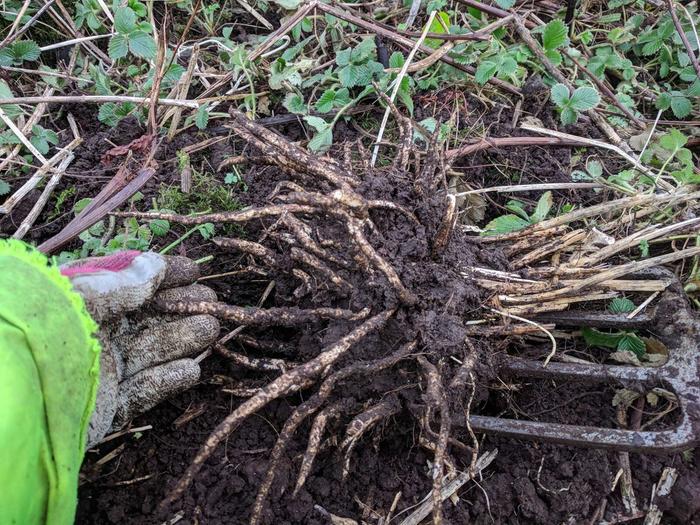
145 353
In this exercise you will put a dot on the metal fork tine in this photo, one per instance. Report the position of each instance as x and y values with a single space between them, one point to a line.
591 372
610 438
595 319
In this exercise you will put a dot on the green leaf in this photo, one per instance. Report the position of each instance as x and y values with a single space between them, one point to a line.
485 71
518 208
632 343
81 205
342 57
322 140
595 337
288 4
505 4
325 102
621 305
554 35
508 66
544 204
396 60
108 114
294 103
560 94
673 140
142 45
505 224
568 116
201 119
124 20
437 27
681 106
4 187
118 46
584 98
11 110
7 57
207 230
554 56
594 167
317 123
159 227
25 50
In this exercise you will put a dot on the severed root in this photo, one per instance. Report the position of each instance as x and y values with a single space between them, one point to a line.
265 364
387 407
355 229
446 226
300 377
302 235
252 248
314 262
285 316
435 396
308 408
315 435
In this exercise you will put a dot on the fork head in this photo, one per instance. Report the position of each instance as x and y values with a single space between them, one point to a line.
676 325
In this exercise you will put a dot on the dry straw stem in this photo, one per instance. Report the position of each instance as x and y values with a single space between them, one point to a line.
22 138
606 275
397 85
598 144
598 209
286 384
32 182
450 488
44 198
99 99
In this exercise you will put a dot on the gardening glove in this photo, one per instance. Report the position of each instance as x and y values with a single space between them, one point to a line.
145 353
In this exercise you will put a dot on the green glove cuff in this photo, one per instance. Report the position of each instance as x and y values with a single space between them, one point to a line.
49 372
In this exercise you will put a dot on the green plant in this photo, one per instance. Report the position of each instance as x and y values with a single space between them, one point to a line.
554 36
519 219
621 341
571 104
18 52
132 35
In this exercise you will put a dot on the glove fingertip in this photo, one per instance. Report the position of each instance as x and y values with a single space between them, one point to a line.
180 271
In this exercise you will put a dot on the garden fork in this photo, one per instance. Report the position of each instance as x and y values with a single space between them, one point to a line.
681 374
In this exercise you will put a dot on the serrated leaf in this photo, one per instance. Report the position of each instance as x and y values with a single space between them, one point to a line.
559 94
568 116
544 204
7 57
4 187
554 35
621 305
142 45
294 103
681 106
207 230
595 337
118 46
159 227
632 343
673 140
584 98
485 71
396 60
11 110
505 4
505 224
201 119
107 114
325 102
508 66
25 50
124 20
437 27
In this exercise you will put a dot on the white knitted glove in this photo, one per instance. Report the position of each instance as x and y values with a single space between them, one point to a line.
145 353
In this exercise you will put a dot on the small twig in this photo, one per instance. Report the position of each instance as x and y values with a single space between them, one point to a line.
397 85
72 41
24 140
684 37
538 325
98 99
534 187
12 37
